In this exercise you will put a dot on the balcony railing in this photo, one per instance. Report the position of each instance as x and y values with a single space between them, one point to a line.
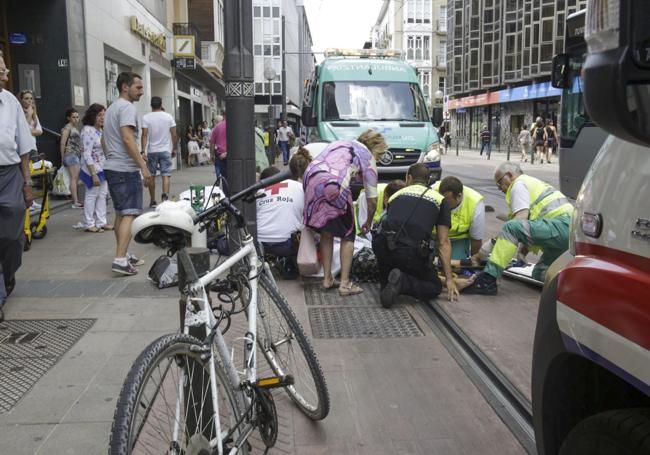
187 28
212 54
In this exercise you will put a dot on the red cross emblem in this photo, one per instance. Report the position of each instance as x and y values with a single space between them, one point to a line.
275 189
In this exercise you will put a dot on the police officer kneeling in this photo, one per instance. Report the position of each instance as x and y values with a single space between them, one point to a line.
404 243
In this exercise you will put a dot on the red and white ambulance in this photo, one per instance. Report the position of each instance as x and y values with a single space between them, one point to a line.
591 361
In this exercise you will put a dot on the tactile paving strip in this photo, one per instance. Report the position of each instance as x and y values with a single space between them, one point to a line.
315 295
368 322
29 348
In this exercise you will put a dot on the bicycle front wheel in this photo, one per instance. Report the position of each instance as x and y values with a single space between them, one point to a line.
285 346
166 405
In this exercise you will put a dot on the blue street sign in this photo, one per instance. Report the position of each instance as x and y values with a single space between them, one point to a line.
17 38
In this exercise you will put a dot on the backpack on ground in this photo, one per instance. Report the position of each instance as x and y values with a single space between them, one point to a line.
164 272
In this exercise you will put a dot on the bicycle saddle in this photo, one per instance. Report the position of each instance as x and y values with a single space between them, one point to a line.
162 228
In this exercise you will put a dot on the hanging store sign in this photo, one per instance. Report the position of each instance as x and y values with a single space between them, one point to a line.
157 39
184 45
185 63
17 38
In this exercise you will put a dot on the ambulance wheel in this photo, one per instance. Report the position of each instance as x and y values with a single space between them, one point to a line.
38 234
618 432
28 243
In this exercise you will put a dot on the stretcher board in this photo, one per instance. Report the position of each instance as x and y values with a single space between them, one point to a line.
524 274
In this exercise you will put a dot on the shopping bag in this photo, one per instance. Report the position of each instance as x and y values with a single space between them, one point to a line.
307 254
61 184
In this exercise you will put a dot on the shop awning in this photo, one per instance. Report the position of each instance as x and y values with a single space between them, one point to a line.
205 78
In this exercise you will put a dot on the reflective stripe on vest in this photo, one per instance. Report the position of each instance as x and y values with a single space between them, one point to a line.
545 201
463 215
417 190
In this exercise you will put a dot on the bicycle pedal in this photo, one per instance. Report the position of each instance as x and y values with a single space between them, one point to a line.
275 382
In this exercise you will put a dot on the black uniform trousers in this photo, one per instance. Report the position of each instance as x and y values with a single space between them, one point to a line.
419 277
12 224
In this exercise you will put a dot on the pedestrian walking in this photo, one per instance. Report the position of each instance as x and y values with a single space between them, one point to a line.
539 137
219 149
16 142
158 142
551 141
123 167
29 109
70 148
328 199
486 141
284 135
92 170
524 143
205 134
261 160
267 147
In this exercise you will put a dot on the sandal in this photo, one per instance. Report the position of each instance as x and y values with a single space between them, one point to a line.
335 284
94 229
350 289
107 227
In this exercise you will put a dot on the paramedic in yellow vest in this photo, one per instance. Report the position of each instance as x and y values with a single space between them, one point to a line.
384 193
540 217
467 216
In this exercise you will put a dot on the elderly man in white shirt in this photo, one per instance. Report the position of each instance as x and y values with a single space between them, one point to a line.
16 141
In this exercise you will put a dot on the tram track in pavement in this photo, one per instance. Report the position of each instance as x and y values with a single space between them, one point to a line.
512 407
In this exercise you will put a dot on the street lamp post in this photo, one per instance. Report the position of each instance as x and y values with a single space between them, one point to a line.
240 102
270 75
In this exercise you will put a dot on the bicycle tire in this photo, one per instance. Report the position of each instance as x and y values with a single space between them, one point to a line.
177 349
277 318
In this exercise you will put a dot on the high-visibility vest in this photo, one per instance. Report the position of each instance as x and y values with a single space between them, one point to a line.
378 211
266 138
463 215
545 201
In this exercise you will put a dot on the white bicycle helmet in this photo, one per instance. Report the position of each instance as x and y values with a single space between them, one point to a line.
165 228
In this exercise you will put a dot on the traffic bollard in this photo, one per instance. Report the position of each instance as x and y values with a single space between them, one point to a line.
508 157
456 147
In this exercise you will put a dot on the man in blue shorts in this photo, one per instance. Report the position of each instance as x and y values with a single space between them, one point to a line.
159 135
123 167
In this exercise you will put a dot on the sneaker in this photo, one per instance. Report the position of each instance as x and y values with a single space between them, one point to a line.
127 269
392 289
78 226
152 204
484 284
134 260
164 197
78 205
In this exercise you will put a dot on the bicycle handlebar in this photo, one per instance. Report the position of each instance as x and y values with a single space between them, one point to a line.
226 203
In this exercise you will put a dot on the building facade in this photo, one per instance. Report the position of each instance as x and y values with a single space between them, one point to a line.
280 30
419 28
499 55
70 52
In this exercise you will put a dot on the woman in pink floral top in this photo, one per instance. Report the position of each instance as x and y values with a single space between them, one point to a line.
92 172
328 199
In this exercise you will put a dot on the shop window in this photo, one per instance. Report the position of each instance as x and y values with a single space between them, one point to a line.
516 123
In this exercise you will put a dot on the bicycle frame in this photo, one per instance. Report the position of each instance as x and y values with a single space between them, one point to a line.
205 317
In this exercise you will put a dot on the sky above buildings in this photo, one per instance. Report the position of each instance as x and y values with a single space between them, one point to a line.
341 23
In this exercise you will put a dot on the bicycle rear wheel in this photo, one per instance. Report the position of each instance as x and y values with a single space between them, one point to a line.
165 405
285 346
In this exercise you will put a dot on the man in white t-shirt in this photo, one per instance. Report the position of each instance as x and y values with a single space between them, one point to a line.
279 219
159 134
283 135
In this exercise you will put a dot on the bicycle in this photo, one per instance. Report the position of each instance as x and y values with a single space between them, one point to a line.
182 397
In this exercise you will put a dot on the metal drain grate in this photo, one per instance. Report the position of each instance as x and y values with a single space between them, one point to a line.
315 295
362 323
29 348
